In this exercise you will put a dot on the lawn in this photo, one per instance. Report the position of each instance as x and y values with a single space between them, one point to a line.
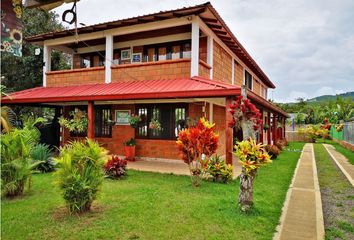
153 206
337 197
346 152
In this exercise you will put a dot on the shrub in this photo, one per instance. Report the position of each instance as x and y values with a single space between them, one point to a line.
219 170
196 144
42 153
314 132
280 144
273 151
116 167
80 173
16 163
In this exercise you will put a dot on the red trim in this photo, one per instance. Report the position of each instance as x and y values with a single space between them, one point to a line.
91 120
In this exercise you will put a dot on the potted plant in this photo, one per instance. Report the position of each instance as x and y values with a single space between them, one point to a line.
129 149
134 120
265 127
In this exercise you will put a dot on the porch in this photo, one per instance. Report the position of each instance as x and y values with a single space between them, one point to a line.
176 167
170 101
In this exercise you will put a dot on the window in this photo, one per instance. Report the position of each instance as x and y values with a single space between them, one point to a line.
92 60
265 92
172 118
248 80
167 51
102 115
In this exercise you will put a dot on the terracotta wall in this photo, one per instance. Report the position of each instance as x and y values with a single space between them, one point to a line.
169 69
238 74
220 126
155 148
203 50
204 69
75 77
222 64
256 86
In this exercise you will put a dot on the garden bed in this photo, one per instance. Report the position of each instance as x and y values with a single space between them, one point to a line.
154 206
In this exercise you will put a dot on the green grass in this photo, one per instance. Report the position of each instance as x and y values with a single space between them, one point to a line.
337 197
346 152
154 206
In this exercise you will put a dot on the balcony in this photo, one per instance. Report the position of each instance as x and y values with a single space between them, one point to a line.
167 69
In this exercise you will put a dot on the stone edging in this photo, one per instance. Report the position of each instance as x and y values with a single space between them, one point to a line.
346 174
319 212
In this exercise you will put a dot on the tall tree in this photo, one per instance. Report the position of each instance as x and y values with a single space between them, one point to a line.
25 72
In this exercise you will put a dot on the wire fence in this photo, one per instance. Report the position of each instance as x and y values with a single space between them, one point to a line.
347 134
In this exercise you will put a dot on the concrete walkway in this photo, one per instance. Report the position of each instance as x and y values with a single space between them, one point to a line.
342 162
177 167
302 216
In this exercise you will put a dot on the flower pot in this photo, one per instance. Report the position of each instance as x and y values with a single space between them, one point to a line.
129 153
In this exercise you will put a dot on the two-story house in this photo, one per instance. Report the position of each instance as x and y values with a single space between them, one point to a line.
172 66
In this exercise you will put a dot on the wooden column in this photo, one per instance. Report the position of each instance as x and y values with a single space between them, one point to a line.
228 132
274 137
261 129
91 120
284 127
269 128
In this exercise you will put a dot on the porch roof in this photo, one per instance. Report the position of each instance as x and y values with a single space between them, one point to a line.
150 89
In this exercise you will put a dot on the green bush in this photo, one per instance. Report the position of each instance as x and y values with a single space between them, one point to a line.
16 162
80 173
218 170
42 153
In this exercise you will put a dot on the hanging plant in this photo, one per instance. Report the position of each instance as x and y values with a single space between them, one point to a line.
134 120
77 122
265 126
155 124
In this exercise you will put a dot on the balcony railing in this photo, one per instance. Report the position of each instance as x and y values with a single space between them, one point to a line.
167 69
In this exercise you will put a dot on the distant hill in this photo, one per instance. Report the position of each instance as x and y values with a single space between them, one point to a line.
324 98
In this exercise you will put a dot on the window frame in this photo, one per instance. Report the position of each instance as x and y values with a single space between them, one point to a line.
244 80
102 108
162 106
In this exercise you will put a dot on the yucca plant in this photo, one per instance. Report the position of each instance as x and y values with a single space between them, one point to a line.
16 163
80 173
42 153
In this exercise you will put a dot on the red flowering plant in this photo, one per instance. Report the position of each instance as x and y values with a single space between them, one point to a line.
116 167
326 124
245 115
196 145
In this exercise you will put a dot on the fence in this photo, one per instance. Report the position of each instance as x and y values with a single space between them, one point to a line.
347 134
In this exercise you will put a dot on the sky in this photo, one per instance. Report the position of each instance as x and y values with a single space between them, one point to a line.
306 47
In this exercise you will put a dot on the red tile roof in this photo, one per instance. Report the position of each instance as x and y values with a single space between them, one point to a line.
151 89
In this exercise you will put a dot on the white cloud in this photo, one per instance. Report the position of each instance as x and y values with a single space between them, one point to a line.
305 47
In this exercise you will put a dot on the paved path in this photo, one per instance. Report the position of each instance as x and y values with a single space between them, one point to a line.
177 167
342 162
302 216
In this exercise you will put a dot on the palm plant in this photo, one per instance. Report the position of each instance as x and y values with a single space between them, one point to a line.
7 115
16 163
80 173
42 153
